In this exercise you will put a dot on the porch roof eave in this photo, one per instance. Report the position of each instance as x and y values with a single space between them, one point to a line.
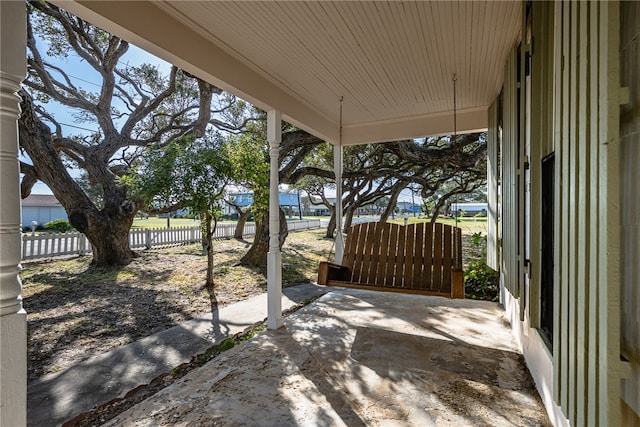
202 53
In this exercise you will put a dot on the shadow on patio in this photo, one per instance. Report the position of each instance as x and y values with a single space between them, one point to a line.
357 357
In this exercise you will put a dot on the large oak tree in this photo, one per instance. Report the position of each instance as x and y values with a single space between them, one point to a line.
133 108
440 167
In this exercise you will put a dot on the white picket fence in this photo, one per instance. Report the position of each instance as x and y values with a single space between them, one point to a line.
60 244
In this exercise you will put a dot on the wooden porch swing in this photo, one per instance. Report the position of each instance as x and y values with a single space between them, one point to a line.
421 258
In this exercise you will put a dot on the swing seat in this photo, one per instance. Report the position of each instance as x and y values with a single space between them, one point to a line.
421 258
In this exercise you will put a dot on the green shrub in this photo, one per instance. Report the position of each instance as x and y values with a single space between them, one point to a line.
59 226
477 239
481 281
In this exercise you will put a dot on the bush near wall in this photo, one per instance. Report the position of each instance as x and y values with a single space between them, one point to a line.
59 226
481 281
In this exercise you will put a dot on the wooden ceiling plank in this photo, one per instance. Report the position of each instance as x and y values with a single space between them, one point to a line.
411 53
398 24
355 73
367 45
421 49
390 60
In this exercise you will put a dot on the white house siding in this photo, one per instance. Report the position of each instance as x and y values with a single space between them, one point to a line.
41 208
42 214
630 223
577 44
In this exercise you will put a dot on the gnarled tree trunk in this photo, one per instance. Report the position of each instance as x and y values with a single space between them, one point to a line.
207 238
393 199
108 228
243 216
348 218
331 227
256 256
110 248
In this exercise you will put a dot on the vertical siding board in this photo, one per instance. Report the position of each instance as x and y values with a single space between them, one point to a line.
630 206
592 362
508 175
582 215
609 250
603 136
558 218
566 189
492 187
572 171
537 126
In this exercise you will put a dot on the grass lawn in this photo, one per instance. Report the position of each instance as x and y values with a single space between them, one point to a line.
468 225
155 222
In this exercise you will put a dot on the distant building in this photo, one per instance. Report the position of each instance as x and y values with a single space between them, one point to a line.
317 208
408 207
41 208
287 200
468 209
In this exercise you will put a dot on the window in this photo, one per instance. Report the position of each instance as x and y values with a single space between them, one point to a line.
546 266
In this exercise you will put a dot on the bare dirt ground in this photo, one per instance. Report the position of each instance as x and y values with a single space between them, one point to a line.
75 311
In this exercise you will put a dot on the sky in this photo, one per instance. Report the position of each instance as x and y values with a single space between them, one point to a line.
85 77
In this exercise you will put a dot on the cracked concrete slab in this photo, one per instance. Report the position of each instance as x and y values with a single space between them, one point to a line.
359 358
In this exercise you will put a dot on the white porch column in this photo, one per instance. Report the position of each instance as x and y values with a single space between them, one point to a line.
13 319
274 257
337 167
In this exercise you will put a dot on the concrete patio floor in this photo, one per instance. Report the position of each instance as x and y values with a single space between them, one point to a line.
360 358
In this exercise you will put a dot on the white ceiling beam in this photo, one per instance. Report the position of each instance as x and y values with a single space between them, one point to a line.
470 120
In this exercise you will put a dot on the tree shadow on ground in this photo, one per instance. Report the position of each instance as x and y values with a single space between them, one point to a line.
80 315
410 358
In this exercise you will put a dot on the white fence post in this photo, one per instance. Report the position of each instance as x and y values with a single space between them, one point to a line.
82 244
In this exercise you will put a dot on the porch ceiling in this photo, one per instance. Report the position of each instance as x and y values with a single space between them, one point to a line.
391 61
